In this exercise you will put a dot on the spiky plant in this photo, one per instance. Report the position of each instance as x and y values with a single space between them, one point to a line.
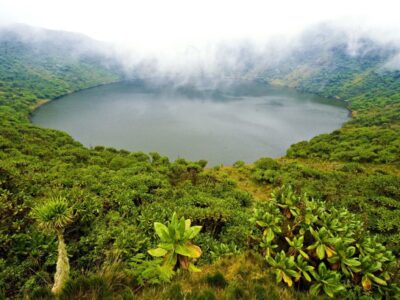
54 216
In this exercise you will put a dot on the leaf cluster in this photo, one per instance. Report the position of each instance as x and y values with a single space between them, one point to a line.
176 245
321 249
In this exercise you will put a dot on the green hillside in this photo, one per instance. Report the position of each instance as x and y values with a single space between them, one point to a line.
330 229
371 90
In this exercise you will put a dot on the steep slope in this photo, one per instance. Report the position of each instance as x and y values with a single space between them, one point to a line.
117 195
358 71
39 65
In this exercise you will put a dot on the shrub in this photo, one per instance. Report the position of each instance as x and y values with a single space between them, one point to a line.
352 168
239 164
176 246
265 170
266 163
323 249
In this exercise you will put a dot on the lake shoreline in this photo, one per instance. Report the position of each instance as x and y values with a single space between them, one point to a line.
43 102
260 117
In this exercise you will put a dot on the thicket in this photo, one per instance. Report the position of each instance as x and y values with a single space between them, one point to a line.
372 192
116 196
370 89
323 250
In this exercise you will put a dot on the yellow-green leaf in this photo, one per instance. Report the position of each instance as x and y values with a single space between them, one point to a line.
329 251
366 283
182 250
193 268
195 251
157 252
287 279
195 231
321 251
187 224
378 280
162 231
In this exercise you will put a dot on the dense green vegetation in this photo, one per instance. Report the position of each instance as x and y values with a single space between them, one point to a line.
321 249
116 196
104 203
372 191
31 72
371 91
372 136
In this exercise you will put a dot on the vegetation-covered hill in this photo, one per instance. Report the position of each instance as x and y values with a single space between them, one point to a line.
359 73
37 65
102 203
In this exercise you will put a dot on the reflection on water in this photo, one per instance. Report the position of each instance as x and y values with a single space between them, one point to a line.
239 121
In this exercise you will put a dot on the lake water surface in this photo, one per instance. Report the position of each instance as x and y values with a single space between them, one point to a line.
237 121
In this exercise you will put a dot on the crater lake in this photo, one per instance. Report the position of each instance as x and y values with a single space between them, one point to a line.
236 120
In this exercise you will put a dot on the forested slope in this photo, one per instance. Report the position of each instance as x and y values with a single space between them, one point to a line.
115 196
38 65
364 78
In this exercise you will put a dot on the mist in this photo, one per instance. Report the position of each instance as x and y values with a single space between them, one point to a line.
202 42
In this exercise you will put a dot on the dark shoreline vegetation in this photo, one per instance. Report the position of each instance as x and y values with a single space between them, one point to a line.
331 194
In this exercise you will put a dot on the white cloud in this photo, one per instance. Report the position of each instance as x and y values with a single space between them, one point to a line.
165 26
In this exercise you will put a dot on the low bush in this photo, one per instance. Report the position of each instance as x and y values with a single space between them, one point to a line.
324 250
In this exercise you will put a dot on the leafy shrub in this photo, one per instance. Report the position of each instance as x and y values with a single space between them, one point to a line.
176 246
266 163
323 250
353 167
265 170
239 164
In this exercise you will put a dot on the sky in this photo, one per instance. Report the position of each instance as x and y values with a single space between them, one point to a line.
168 24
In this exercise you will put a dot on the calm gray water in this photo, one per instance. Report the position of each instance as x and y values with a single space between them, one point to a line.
238 121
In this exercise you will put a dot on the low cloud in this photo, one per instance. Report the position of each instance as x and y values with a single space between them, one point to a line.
215 61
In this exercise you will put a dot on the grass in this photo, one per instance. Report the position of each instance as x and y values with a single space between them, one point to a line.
244 181
246 276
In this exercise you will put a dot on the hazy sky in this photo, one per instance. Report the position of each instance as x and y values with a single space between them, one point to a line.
168 23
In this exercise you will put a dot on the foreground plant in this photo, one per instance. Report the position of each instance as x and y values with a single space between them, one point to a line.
54 216
323 249
176 246
284 268
327 281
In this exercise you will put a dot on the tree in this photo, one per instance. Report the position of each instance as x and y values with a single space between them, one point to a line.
54 216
